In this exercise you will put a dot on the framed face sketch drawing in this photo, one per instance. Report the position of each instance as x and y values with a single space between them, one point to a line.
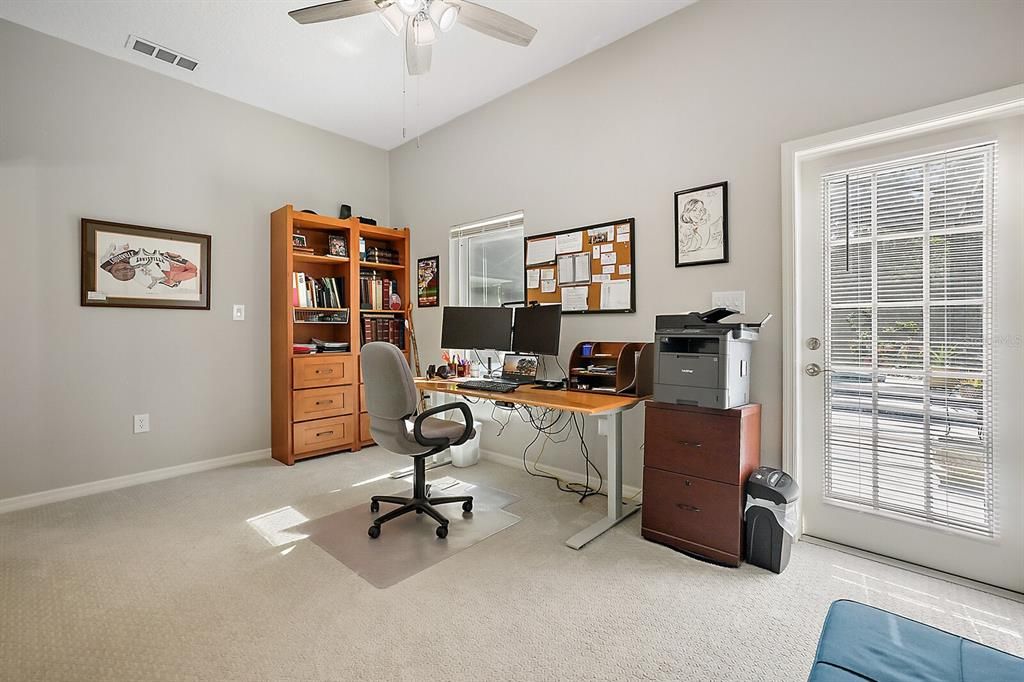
130 266
702 225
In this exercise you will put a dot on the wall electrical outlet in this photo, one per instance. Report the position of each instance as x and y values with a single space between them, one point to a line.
140 423
238 312
736 300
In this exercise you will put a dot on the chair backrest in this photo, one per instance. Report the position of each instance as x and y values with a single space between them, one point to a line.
391 396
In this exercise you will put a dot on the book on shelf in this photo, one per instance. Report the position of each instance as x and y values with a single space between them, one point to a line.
303 348
330 346
375 291
384 328
310 292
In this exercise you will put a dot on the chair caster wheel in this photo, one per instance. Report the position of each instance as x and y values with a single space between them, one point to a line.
467 506
373 531
374 506
442 532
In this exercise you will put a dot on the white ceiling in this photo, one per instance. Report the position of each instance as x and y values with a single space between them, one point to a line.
344 76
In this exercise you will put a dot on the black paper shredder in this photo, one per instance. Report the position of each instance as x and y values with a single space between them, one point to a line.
770 492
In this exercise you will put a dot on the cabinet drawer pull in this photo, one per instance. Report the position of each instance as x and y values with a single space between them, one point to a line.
688 507
690 444
329 370
324 402
324 433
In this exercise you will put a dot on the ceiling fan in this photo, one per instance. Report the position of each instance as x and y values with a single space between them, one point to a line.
422 19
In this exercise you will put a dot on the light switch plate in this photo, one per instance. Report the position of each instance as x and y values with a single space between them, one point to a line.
736 300
238 312
140 423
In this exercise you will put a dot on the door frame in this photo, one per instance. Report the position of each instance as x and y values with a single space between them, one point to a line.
1006 101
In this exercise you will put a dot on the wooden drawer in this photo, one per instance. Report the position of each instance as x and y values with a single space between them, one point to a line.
321 434
317 403
699 511
364 428
324 370
699 444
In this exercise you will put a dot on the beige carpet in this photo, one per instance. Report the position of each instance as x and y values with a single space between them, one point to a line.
171 581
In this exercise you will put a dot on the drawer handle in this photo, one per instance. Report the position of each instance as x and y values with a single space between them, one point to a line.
688 507
690 444
324 433
329 370
324 402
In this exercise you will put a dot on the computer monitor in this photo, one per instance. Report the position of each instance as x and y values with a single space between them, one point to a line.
476 328
537 329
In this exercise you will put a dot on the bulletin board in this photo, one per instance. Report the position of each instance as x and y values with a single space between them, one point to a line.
586 269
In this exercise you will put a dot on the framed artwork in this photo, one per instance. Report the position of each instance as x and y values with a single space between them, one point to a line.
428 278
702 225
299 240
130 266
337 245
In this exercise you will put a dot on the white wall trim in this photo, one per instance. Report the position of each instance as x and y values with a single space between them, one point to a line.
628 491
1003 102
81 490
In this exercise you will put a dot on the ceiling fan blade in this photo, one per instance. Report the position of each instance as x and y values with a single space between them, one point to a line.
494 23
329 11
417 57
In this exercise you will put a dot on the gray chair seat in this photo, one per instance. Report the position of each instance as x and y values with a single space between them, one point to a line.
432 427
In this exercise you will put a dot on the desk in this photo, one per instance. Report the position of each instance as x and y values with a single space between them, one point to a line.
609 406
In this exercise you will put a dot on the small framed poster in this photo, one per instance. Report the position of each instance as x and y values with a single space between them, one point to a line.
130 266
428 279
702 225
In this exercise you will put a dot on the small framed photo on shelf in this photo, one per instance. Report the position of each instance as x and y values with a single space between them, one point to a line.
130 266
337 245
299 240
702 225
428 279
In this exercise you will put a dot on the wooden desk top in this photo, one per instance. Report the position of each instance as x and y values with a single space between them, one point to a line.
568 401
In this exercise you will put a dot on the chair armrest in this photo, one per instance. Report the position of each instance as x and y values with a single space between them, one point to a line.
467 417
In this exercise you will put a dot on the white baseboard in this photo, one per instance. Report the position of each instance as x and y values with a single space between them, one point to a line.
81 490
628 491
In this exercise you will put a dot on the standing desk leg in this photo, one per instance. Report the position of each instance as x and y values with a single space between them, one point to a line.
614 487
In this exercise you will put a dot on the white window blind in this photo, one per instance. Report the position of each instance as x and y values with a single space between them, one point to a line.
907 275
487 261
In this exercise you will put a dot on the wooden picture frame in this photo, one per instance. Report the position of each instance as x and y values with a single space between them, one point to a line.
428 282
131 266
702 225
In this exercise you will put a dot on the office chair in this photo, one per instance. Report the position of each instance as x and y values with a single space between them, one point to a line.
391 398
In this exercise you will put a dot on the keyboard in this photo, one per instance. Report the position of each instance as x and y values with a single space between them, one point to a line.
491 386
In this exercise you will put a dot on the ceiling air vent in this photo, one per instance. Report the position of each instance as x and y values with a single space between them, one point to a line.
151 49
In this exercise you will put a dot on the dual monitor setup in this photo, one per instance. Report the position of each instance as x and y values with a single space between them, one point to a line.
527 332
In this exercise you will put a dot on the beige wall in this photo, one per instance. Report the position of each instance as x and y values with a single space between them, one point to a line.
83 135
708 94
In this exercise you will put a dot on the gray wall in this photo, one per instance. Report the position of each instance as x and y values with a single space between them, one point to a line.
708 94
83 135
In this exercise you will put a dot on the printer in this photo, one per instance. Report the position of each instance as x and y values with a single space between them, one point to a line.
700 360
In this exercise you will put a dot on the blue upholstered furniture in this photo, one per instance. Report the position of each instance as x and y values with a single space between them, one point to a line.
859 642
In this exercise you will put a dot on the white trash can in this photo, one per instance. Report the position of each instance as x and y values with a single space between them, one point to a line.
468 454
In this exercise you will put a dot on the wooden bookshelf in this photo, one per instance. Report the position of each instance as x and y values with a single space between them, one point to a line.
317 405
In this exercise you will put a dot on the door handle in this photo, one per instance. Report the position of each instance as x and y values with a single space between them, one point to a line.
688 507
690 444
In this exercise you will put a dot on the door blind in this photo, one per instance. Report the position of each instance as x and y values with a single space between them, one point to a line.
907 275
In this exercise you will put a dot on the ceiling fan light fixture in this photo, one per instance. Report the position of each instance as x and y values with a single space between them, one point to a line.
423 32
392 18
444 14
410 7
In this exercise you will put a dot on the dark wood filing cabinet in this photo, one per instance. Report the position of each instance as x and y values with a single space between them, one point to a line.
696 464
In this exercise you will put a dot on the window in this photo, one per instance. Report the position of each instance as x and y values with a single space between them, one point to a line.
908 302
487 262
